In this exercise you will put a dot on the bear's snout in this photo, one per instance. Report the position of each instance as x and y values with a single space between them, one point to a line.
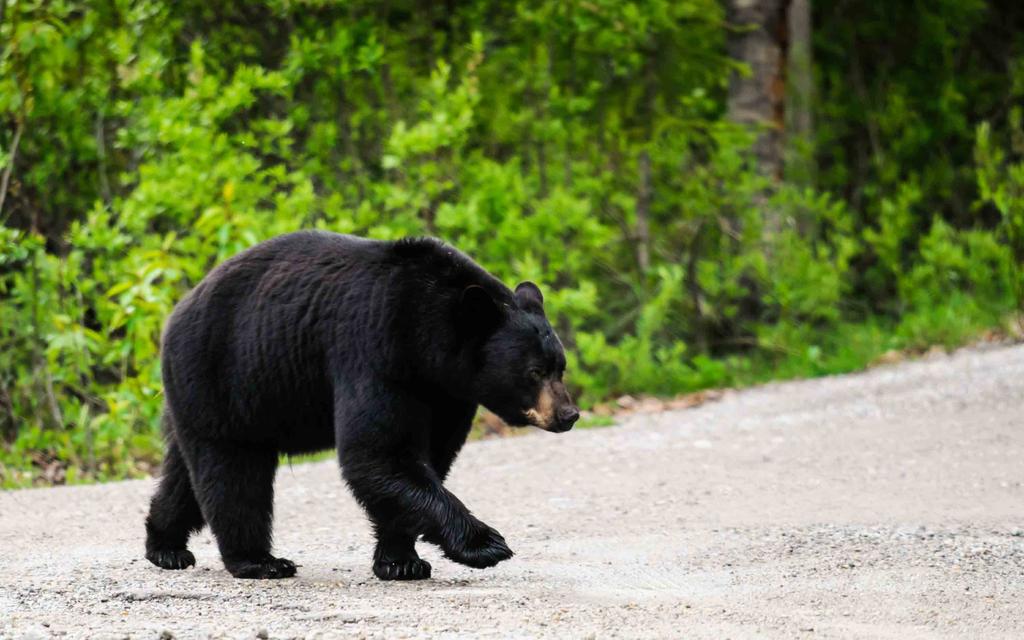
568 415
555 410
565 417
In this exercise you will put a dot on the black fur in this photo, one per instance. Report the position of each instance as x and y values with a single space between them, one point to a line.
383 350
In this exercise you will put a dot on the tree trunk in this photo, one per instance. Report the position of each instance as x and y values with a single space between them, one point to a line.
643 212
759 37
800 96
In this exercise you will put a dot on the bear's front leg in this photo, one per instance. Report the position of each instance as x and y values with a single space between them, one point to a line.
410 498
383 448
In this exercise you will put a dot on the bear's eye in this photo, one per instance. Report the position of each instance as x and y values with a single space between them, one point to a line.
536 374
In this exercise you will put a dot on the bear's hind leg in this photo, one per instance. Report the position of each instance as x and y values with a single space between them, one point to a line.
235 488
395 557
173 515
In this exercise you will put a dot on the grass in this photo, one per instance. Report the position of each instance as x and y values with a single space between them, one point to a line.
849 347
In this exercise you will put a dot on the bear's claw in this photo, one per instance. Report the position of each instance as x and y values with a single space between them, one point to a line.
415 569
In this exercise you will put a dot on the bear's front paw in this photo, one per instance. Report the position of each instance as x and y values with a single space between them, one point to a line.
410 569
484 548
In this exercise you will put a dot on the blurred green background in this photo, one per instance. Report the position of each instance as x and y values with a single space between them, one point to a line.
710 192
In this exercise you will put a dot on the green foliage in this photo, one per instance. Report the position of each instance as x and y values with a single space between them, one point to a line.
1001 187
578 144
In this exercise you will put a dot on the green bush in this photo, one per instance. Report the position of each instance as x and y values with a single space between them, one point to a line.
580 145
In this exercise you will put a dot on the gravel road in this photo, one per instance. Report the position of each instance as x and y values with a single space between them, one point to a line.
888 504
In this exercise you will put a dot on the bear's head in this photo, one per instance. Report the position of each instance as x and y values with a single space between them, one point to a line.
518 359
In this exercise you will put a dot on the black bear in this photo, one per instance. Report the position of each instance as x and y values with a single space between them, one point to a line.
382 350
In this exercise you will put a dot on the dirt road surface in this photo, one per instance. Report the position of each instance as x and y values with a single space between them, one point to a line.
887 504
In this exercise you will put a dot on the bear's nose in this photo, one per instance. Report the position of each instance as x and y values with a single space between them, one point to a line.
568 415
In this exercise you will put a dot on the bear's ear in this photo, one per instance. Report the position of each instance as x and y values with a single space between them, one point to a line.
478 311
529 298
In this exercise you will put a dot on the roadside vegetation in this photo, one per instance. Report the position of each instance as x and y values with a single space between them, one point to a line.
591 146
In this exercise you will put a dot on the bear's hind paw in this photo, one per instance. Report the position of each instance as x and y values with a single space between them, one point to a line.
268 569
171 558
